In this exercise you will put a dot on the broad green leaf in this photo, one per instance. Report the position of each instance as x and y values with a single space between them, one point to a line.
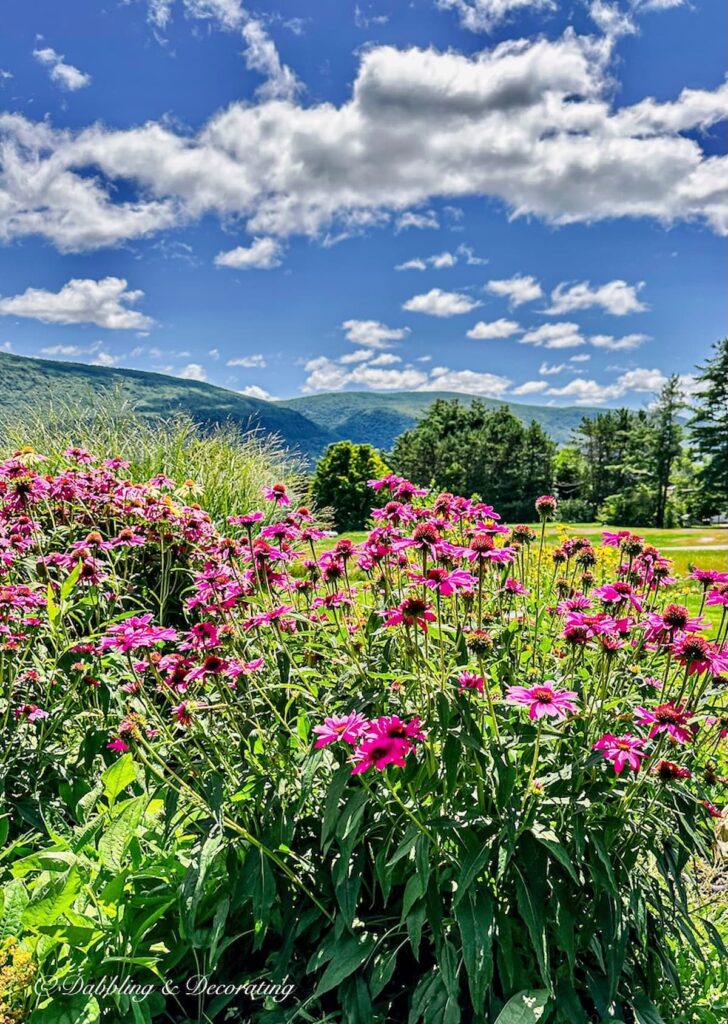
556 848
525 1008
532 913
15 900
115 840
350 954
78 1009
645 1011
120 775
53 900
475 921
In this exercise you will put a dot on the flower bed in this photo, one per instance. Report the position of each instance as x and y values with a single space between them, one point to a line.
445 774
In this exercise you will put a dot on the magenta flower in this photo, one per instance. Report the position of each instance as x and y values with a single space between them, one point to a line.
444 582
118 746
277 493
618 593
708 576
624 751
413 611
698 655
246 520
719 596
378 752
546 506
666 718
668 624
543 700
31 712
471 681
135 632
348 728
613 540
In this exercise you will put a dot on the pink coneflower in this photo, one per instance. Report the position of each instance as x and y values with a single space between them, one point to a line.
245 520
182 713
698 655
395 728
543 700
471 681
118 746
135 632
624 751
712 809
668 771
611 539
546 506
514 587
719 596
666 718
708 576
31 712
277 493
444 582
348 728
378 752
413 611
674 619
618 593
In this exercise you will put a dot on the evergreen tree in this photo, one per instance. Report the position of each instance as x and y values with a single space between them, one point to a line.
710 429
340 482
666 442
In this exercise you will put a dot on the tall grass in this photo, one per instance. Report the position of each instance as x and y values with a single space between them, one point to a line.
225 467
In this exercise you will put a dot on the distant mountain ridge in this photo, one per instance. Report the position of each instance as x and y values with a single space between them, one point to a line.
380 417
308 424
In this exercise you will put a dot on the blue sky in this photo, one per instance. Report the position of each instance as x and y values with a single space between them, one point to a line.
524 199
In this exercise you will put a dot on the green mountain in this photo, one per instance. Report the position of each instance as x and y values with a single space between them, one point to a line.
45 381
379 417
307 424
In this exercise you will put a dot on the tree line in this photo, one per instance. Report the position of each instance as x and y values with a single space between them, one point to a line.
662 466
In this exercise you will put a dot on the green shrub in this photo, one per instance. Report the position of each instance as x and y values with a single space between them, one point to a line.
340 482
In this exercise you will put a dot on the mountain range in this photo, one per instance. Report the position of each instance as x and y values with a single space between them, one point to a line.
309 423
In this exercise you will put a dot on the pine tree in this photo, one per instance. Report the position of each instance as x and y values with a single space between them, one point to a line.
666 440
710 429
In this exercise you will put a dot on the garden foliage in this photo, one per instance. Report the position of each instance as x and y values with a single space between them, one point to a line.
444 775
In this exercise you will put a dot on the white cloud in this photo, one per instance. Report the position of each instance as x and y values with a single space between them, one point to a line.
436 302
558 335
262 56
580 357
495 329
63 350
468 254
227 14
551 369
517 290
326 375
531 123
81 301
256 361
488 384
65 75
253 391
104 358
193 371
484 15
261 254
530 387
615 297
629 341
372 333
589 392
385 359
437 262
214 353
410 219
361 355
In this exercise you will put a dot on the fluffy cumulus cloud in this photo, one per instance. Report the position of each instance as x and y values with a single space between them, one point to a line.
531 123
484 15
439 261
193 371
517 290
615 297
65 75
530 387
261 254
372 333
590 392
623 344
436 302
253 391
227 14
81 301
559 335
495 329
324 374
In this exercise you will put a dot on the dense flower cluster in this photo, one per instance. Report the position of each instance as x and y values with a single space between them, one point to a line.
445 656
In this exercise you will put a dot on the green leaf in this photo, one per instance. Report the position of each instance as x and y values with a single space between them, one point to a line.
15 900
120 775
645 1011
556 848
78 1009
71 580
350 954
525 1008
532 913
53 900
475 921
115 840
